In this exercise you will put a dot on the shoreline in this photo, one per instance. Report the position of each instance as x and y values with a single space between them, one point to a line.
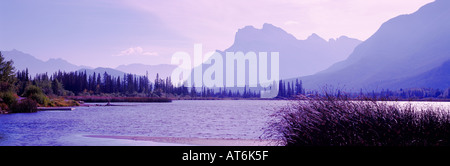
192 141
95 99
101 99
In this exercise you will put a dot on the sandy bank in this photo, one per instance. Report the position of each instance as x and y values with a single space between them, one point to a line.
193 141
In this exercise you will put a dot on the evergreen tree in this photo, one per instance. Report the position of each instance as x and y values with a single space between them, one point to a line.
7 74
193 91
97 85
288 94
57 87
118 88
280 88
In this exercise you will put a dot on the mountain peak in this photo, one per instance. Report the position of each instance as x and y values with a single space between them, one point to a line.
247 28
267 26
265 29
343 37
56 60
297 57
250 34
316 38
17 52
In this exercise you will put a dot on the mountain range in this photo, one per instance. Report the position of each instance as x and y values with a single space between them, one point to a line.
407 51
35 66
164 70
23 60
297 57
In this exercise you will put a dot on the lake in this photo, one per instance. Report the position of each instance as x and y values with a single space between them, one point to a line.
215 119
236 119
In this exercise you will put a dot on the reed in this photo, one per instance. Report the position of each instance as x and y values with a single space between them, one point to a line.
340 121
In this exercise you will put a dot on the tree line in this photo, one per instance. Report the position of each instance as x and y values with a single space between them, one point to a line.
63 83
289 89
79 83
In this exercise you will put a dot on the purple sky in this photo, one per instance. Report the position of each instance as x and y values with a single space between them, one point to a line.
108 33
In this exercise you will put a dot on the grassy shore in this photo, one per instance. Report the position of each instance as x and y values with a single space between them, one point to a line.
338 121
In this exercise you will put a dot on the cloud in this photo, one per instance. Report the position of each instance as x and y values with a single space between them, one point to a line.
136 51
291 22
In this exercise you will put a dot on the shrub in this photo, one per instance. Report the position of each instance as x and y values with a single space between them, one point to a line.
339 121
32 89
24 106
8 98
40 98
35 93
3 108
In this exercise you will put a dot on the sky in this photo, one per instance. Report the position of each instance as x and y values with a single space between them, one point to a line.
109 33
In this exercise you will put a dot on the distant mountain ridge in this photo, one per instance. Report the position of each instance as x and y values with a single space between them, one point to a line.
35 66
164 70
407 51
297 57
102 70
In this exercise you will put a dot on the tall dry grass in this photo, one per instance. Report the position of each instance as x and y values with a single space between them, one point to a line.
340 121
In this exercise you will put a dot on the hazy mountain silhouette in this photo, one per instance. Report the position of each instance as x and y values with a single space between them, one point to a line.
407 51
436 78
164 70
297 57
102 70
36 66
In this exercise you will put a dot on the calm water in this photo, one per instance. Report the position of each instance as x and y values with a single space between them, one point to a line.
242 119
201 119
